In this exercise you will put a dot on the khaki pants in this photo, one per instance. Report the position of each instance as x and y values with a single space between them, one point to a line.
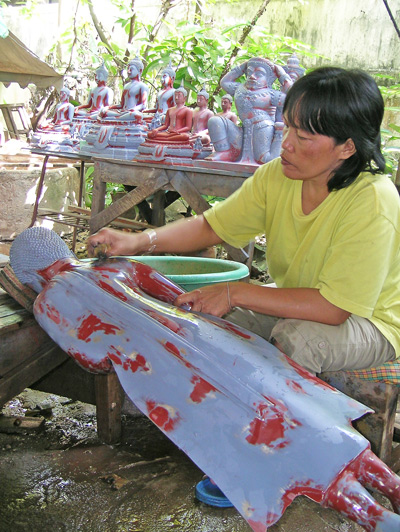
355 344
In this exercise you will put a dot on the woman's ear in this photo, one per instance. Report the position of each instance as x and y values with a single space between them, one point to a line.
348 149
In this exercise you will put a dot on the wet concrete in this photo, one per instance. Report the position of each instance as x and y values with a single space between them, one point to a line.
62 479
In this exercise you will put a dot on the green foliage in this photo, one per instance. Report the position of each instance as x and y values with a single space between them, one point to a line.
199 53
390 90
111 188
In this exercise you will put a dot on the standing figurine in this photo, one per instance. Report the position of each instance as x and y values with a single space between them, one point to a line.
134 97
259 106
100 96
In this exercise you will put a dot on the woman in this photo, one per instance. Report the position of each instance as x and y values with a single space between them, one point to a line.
332 225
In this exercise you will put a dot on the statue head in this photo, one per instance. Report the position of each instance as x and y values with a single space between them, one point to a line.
101 73
226 102
65 94
135 67
181 89
169 71
33 250
260 73
202 96
293 67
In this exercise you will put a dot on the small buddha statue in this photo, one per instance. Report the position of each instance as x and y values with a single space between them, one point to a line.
133 100
201 116
226 105
178 121
165 97
63 114
99 97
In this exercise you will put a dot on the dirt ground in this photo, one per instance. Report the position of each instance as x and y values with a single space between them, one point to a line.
61 478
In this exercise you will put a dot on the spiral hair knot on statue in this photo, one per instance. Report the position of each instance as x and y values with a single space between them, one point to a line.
170 71
33 250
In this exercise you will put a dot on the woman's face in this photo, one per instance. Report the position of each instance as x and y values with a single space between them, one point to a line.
311 157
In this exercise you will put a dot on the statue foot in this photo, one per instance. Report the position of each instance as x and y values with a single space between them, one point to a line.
227 155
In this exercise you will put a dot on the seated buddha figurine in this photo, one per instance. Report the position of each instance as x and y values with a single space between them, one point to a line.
63 114
178 121
201 116
133 100
226 105
259 107
165 97
99 97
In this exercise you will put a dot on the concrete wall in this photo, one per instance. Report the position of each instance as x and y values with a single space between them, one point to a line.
349 33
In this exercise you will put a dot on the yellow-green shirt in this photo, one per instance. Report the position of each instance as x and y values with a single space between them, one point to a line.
348 247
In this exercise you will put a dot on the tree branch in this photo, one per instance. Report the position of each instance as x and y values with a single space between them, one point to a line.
246 30
102 35
392 18
131 31
166 6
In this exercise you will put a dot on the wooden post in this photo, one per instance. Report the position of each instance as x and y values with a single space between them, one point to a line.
108 405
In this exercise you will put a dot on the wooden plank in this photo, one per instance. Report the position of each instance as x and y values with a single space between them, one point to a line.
31 370
134 197
18 424
16 345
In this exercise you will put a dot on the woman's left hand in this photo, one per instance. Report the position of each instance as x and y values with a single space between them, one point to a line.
213 299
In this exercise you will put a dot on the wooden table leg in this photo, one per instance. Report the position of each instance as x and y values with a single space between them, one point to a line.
108 404
39 191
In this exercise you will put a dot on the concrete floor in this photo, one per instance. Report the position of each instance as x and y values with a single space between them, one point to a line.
62 479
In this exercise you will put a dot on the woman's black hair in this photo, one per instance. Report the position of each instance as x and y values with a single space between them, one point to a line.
341 104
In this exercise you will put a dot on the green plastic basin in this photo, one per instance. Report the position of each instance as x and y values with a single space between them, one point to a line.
194 272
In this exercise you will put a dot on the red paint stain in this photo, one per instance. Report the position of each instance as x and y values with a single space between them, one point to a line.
161 416
139 362
201 389
53 314
62 265
295 386
271 427
171 348
307 375
167 322
227 326
111 290
101 366
93 324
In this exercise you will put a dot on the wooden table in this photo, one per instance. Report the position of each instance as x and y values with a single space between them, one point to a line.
191 182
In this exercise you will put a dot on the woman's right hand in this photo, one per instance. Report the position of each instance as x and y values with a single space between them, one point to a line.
113 242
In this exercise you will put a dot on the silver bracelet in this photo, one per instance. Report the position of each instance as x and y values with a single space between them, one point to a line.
152 238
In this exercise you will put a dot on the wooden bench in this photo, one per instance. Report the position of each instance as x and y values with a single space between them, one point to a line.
379 389
30 359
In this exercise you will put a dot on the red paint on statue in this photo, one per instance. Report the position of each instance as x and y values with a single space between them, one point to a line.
93 324
117 293
201 389
271 427
307 375
161 416
227 326
102 366
295 386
